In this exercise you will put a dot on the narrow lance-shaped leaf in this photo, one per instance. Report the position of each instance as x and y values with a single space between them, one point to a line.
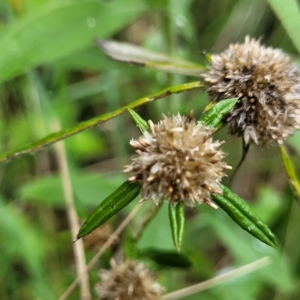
110 206
176 217
135 55
140 122
213 116
63 134
241 213
290 172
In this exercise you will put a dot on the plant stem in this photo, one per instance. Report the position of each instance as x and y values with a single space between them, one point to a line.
78 247
246 269
105 246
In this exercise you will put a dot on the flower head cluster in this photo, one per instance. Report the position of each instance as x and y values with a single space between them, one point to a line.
178 161
267 84
130 280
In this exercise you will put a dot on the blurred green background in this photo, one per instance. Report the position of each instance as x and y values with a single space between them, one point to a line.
50 70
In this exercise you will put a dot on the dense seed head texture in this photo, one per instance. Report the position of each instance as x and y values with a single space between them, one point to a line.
130 280
178 161
267 84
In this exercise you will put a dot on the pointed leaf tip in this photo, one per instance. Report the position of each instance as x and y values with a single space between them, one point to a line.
140 122
121 197
240 212
214 112
176 217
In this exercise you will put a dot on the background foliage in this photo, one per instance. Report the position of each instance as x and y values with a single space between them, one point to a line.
50 70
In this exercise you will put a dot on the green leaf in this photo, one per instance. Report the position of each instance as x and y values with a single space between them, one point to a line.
176 217
290 172
288 12
110 206
241 213
167 258
48 34
213 116
135 55
140 122
47 191
57 136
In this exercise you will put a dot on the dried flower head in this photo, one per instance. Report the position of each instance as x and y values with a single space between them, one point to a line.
130 280
178 161
267 84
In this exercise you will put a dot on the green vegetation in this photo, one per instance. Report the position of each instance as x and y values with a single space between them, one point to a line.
56 84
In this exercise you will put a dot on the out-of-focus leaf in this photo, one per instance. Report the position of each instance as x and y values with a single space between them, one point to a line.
278 274
110 206
269 204
140 122
24 243
21 236
215 112
290 172
86 145
167 258
132 54
176 217
288 12
158 233
294 140
57 136
49 33
88 189
241 213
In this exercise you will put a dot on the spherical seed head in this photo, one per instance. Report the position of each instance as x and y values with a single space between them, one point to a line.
178 161
267 84
130 280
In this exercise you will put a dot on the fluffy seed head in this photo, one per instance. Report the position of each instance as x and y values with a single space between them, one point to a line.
130 280
267 84
178 161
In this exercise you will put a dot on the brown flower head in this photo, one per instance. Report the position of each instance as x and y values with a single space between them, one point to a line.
267 84
130 280
178 161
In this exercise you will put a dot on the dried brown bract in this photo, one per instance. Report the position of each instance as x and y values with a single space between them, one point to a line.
130 280
178 161
267 84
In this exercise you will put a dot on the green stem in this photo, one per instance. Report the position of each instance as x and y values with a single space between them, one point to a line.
63 134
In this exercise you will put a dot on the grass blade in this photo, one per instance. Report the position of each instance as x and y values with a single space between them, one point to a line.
48 34
288 12
135 55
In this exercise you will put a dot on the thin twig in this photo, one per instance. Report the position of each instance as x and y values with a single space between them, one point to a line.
249 268
111 239
78 248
